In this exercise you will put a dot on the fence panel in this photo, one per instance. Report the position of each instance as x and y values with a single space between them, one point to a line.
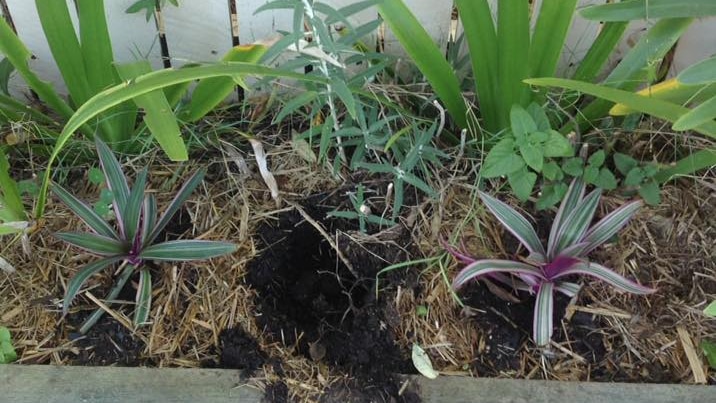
197 31
202 31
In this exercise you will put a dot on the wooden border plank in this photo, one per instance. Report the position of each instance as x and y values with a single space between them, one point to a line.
65 384
492 390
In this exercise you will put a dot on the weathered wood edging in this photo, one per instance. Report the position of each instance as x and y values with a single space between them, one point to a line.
53 384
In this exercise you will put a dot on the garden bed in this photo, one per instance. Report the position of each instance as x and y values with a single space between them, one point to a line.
296 306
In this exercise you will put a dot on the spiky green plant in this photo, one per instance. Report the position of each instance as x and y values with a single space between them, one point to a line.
135 240
545 271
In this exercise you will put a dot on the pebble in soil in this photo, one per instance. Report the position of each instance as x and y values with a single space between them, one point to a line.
304 289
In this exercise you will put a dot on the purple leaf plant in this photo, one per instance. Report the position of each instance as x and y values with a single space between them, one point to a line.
134 241
544 272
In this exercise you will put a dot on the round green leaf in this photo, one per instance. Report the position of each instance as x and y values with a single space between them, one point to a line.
522 181
634 177
624 163
649 191
532 156
502 160
597 159
557 145
573 166
606 179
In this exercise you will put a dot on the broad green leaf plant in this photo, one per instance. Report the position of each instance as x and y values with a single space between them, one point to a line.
549 270
136 238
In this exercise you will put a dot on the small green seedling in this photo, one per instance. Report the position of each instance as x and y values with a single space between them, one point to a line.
7 351
362 212
639 176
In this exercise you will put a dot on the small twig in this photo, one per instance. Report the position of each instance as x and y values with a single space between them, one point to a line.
325 235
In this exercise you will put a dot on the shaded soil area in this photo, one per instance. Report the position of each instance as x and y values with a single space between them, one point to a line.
309 300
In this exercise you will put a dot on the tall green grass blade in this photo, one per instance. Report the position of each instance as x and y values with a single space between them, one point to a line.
704 113
550 34
96 45
703 72
426 56
16 52
513 44
649 9
655 107
695 162
633 70
598 54
10 200
158 114
98 58
479 30
212 91
60 33
671 91
147 83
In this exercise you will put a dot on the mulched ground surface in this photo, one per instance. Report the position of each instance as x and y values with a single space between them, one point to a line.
309 327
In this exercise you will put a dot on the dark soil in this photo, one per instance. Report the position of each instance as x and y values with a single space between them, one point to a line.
240 351
508 325
107 343
309 300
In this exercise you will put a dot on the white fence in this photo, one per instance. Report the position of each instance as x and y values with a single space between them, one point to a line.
203 30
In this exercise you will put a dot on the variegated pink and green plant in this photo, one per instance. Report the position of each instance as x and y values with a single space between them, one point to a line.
135 240
546 271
